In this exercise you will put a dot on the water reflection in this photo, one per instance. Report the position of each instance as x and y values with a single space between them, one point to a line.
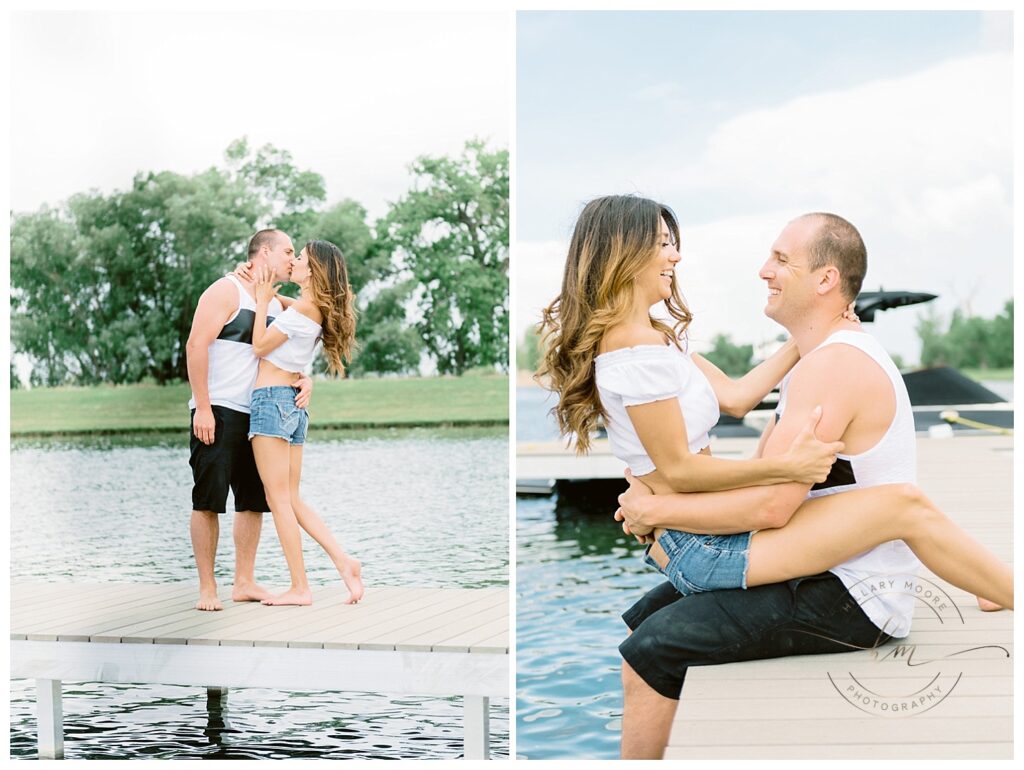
576 572
418 507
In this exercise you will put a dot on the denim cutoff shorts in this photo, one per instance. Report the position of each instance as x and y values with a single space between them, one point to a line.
273 413
699 563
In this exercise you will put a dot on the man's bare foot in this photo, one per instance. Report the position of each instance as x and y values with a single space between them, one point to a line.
208 600
295 596
351 571
249 592
987 606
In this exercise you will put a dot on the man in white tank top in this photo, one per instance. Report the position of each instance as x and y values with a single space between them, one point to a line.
815 269
222 371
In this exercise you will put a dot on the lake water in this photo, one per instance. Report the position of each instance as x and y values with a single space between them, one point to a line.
575 574
416 507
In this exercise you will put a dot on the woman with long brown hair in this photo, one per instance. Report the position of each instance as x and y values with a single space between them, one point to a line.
324 313
607 355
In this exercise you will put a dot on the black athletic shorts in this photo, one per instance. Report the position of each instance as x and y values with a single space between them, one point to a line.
227 462
799 617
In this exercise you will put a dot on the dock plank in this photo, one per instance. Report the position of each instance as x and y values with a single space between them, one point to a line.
432 619
789 708
457 634
497 643
851 751
165 614
295 629
93 616
29 613
832 734
473 639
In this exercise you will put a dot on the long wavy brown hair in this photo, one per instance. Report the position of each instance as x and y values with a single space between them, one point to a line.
614 240
330 291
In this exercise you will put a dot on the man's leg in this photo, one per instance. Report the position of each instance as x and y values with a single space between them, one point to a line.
800 617
248 525
205 530
646 717
250 504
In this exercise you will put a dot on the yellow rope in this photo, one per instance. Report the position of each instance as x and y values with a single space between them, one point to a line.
954 417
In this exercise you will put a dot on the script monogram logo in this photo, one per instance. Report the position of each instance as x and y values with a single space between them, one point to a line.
869 682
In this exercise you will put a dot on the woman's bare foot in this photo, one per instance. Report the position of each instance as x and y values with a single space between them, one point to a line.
302 597
249 592
208 600
987 606
351 570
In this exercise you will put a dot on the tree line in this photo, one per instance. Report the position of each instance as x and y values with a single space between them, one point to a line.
104 287
968 342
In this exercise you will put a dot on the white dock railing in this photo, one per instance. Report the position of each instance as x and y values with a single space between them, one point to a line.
445 642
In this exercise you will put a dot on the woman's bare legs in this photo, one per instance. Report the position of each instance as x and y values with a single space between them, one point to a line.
348 567
829 530
274 464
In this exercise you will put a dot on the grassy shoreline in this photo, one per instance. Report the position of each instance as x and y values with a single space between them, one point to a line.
427 402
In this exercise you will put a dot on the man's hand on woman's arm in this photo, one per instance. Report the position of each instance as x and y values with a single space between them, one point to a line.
818 381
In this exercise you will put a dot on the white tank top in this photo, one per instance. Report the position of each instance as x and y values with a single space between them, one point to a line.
233 367
877 578
647 373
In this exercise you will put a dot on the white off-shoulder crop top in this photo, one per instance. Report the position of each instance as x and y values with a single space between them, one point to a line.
647 373
296 352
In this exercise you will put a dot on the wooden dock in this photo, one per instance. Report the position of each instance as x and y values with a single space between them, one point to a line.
858 706
423 641
553 461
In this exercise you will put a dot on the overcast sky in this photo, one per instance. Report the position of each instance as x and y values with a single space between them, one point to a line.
354 96
900 122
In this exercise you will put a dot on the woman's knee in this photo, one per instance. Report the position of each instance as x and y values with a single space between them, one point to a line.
277 499
915 507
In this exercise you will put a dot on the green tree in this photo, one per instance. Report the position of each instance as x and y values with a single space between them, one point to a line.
969 341
528 352
15 379
387 344
450 235
934 348
104 288
1001 338
289 195
734 360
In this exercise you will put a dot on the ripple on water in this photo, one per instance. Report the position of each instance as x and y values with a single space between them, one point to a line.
424 509
575 575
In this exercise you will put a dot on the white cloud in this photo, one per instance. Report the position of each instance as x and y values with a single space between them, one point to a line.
657 91
538 266
921 164
875 143
355 96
